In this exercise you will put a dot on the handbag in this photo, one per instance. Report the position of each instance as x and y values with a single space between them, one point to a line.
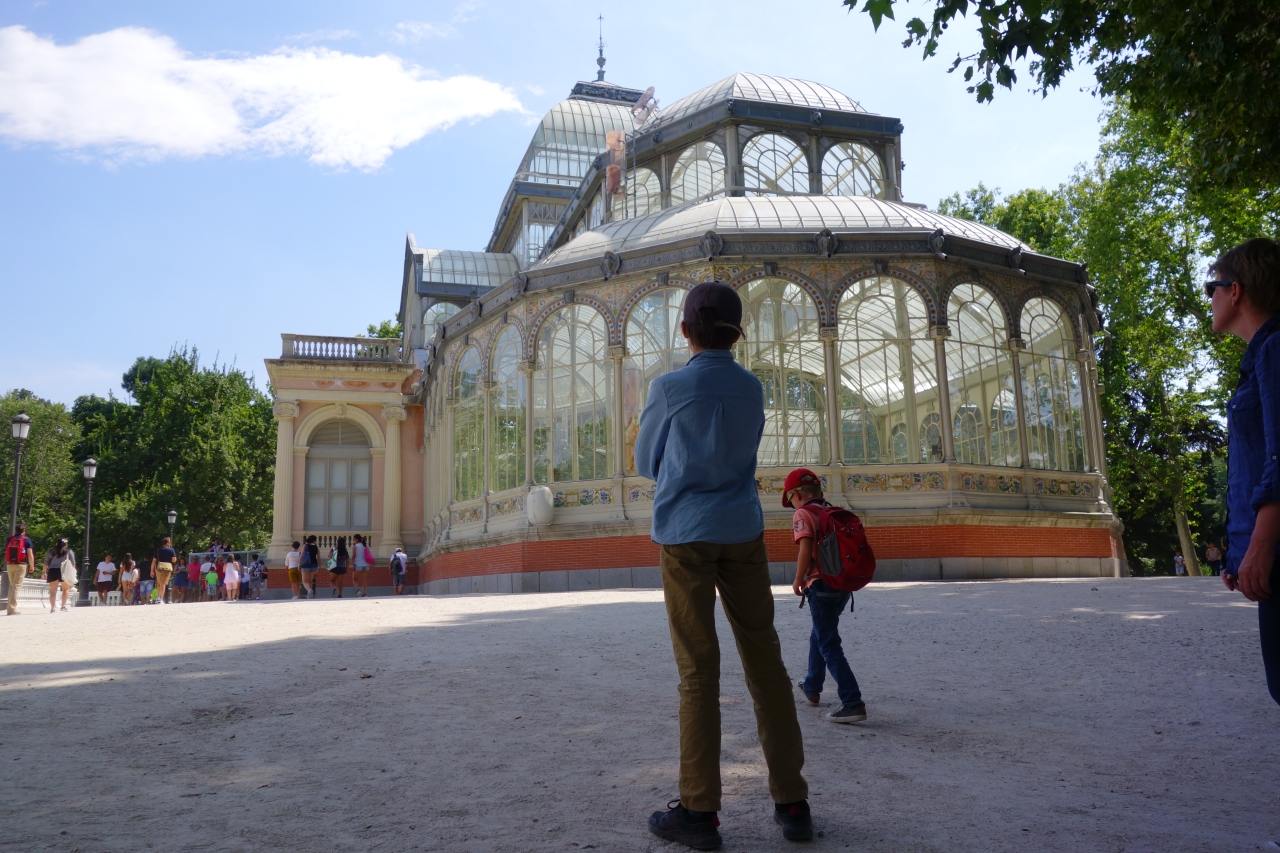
68 568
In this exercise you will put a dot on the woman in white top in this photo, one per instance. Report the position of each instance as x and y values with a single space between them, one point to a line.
362 563
128 579
104 576
231 579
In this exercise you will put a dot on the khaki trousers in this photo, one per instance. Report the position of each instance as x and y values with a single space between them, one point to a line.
16 575
691 574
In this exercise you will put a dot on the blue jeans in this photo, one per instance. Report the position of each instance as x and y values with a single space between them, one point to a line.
1269 629
145 588
825 651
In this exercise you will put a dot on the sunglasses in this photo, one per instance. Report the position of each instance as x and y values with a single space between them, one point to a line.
1211 286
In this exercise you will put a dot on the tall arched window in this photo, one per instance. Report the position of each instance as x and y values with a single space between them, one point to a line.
338 475
782 349
506 413
1051 389
980 379
772 163
698 172
850 168
434 316
468 428
654 347
644 192
887 375
573 398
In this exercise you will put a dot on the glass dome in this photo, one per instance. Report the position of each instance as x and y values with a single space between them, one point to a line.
570 137
758 87
456 266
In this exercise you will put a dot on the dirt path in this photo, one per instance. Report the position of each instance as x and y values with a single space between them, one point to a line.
1004 716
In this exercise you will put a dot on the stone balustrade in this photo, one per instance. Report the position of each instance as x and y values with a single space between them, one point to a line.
339 349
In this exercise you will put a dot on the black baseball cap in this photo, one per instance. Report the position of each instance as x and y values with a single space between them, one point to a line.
718 295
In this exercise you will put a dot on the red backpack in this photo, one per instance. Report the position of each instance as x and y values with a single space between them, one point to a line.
16 551
844 555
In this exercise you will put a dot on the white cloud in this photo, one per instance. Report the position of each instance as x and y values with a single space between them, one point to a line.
133 93
409 31
323 35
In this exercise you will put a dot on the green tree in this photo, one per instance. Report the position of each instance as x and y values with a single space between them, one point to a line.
51 492
385 329
1207 67
196 439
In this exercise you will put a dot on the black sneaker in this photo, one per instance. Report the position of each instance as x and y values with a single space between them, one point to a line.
848 713
794 818
811 698
692 829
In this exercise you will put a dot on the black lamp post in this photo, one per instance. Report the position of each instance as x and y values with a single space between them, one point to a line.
90 471
173 519
21 426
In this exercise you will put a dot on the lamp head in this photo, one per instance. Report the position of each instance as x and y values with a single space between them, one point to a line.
90 468
173 517
21 426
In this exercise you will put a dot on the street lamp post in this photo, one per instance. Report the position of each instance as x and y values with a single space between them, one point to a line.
90 471
173 519
21 426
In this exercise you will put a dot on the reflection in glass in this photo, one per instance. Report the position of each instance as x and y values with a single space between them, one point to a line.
698 173
507 413
886 368
1051 389
782 349
980 379
772 163
338 463
573 398
435 315
468 428
644 193
654 346
850 168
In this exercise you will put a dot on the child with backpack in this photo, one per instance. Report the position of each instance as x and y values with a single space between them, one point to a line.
399 563
834 562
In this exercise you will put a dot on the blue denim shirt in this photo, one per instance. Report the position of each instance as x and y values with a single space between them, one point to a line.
1253 440
699 433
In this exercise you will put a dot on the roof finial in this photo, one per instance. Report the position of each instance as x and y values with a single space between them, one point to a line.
600 59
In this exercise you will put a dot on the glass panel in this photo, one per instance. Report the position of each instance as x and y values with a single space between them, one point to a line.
772 163
466 379
980 379
575 415
572 133
337 511
888 385
698 172
782 349
359 510
468 448
317 473
849 168
644 193
507 407
360 475
654 346
1051 389
315 511
338 474
437 313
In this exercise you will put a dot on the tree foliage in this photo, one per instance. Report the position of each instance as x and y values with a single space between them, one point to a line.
51 493
1209 68
385 329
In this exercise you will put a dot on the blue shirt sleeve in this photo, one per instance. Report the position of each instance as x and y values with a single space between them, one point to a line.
1268 373
655 425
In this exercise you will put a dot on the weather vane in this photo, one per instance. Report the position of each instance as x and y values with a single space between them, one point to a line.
600 59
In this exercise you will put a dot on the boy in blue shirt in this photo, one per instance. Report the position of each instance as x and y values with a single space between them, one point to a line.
698 438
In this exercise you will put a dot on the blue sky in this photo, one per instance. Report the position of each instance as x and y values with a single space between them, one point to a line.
214 174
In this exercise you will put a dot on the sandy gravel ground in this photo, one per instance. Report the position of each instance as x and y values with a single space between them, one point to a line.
1109 715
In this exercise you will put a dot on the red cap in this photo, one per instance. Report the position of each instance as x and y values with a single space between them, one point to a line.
796 479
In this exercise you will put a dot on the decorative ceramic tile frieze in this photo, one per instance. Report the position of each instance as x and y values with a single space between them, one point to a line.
896 481
584 497
641 494
506 506
971 481
1065 488
466 515
773 485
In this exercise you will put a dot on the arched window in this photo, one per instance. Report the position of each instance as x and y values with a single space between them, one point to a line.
596 210
468 428
654 346
980 379
698 172
434 316
772 163
782 349
573 398
850 168
1051 389
506 413
338 475
887 367
644 193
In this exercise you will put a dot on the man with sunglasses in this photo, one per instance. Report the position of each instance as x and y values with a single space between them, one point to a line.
1245 295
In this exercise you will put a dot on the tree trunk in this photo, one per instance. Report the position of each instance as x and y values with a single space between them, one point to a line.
1188 546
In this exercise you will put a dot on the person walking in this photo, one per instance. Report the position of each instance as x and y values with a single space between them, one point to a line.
257 576
399 566
699 434
310 564
1245 296
179 583
195 583
1213 557
162 563
208 566
1179 564
19 561
146 581
337 566
128 579
104 576
292 565
231 578
363 561
60 572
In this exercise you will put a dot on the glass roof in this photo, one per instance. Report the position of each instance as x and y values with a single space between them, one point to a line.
808 214
758 87
454 266
571 135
